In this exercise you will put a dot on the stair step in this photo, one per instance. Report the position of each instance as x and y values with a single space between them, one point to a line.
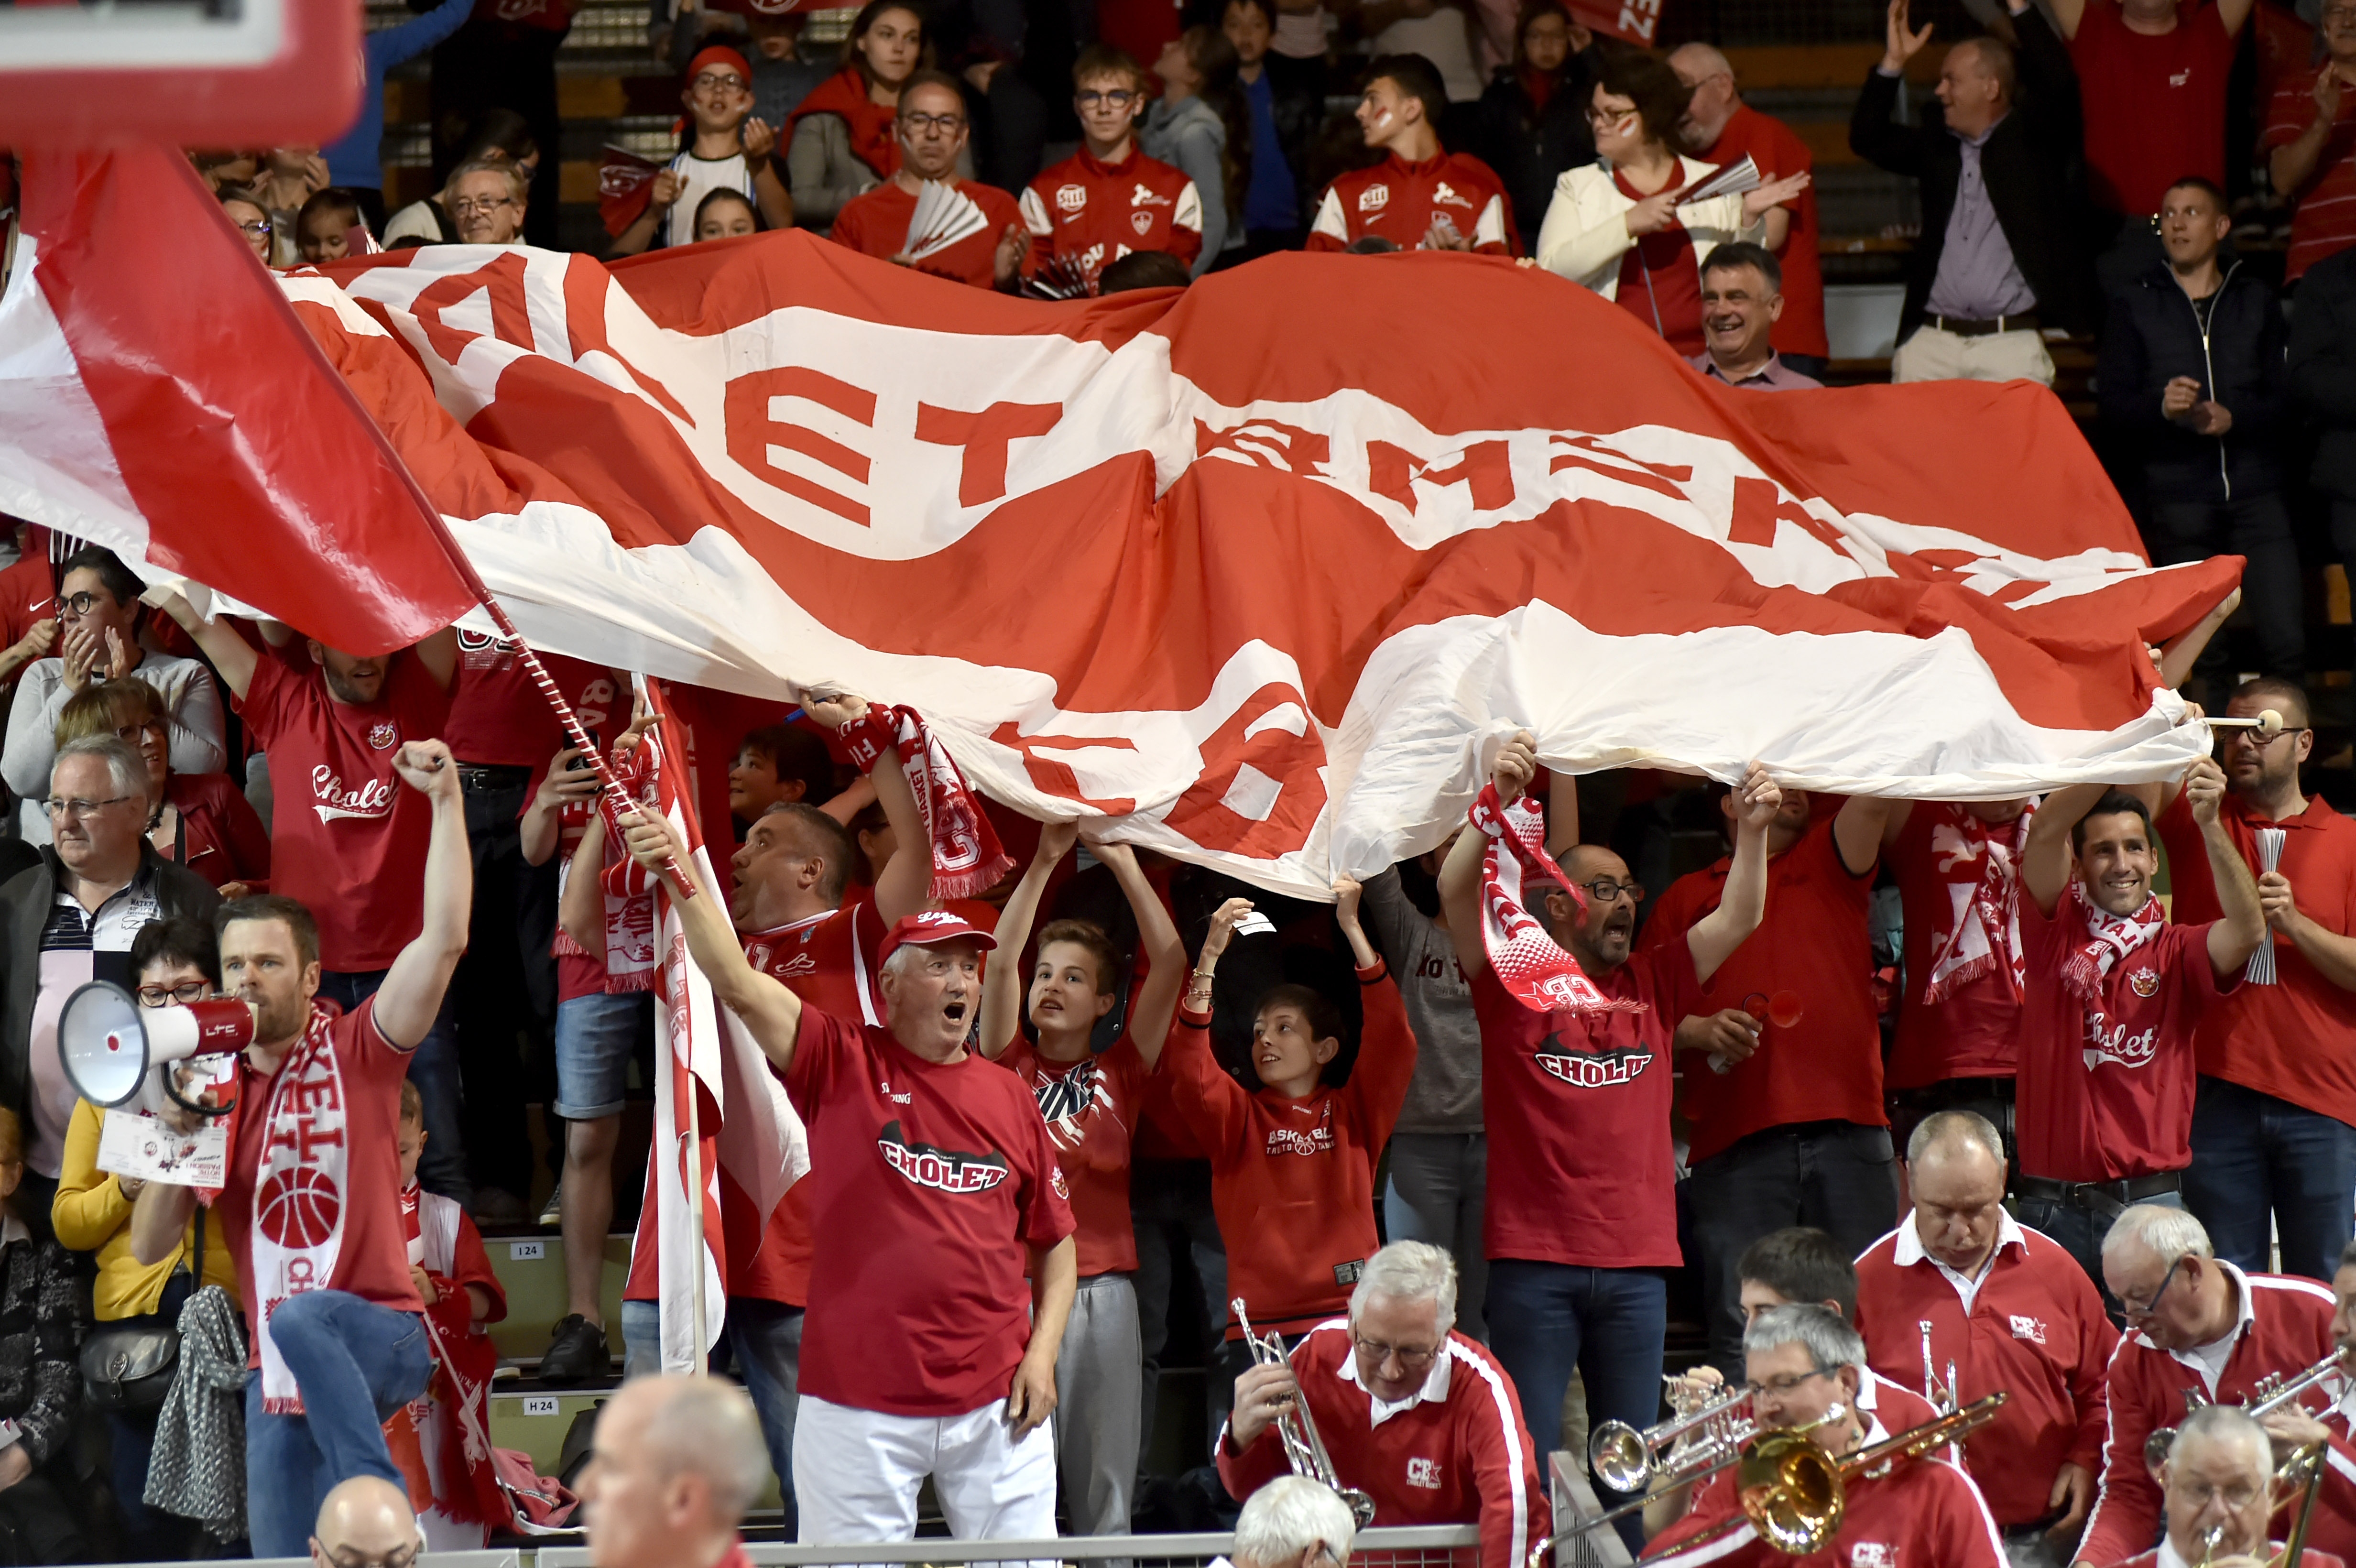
531 1269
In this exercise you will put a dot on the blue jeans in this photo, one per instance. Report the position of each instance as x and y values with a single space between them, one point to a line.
1546 1318
595 1037
1439 1185
2079 1231
764 1340
434 1068
2256 1157
356 1364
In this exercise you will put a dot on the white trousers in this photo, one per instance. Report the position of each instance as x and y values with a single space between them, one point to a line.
856 1474
1933 354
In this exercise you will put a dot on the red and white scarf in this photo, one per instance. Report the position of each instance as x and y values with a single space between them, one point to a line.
1533 968
2109 938
627 892
301 1194
966 861
1981 862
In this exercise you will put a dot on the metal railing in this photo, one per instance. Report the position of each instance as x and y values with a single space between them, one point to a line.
1424 1546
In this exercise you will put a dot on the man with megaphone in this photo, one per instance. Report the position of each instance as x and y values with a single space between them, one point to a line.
311 1206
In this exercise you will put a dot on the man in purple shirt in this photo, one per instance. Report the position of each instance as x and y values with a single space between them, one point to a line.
1741 299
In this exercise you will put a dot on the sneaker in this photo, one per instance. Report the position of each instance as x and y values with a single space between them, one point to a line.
552 1213
576 1351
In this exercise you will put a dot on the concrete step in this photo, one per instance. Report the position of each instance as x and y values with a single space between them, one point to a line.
531 1269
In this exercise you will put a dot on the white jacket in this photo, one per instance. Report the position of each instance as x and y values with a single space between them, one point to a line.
1586 228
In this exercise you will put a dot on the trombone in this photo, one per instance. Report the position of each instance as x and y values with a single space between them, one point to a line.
1297 1429
1628 1460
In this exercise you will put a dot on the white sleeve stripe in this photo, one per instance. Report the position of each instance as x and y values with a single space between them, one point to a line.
1511 1429
1330 222
2277 1282
1034 213
2340 1462
1189 209
1489 228
2110 1439
1987 1520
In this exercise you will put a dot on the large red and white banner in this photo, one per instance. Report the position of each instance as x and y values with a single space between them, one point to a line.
1258 567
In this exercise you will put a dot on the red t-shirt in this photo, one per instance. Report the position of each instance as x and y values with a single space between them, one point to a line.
497 716
1400 201
1660 281
1780 152
2155 105
876 224
1975 1031
1091 1110
1827 1066
372 1262
1098 212
2325 222
221 837
2103 1109
1577 1106
350 837
2267 1038
26 594
932 1180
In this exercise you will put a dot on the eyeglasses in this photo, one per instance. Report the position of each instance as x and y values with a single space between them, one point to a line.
399 1557
1788 1383
710 82
1115 98
466 205
2200 1493
1604 891
1409 1356
136 732
920 124
2151 1307
1599 115
165 995
68 810
83 603
256 229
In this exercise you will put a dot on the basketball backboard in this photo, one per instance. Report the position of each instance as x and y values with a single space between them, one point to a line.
196 73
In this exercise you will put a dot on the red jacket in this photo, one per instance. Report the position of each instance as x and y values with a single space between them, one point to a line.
2285 1328
2334 1526
2036 1327
2311 1558
1459 1454
1292 1181
1098 212
1400 201
1917 1513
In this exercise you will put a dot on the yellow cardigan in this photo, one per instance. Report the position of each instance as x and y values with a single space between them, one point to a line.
92 1213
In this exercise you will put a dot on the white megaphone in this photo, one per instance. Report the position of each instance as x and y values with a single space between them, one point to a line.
108 1045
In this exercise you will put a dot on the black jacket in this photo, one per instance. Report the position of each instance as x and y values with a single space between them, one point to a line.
2323 368
1530 148
25 904
2026 162
2151 335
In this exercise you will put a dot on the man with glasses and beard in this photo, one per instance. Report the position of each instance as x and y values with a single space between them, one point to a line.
2272 1146
2198 1326
932 131
1416 1415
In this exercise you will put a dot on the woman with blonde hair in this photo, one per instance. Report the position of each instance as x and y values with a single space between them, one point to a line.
199 820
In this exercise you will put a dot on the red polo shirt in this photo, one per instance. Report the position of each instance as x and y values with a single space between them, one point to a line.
2295 1038
2155 103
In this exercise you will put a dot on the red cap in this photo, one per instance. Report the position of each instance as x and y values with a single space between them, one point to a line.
932 925
721 54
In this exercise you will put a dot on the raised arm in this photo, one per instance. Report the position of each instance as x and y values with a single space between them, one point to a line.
562 784
411 997
2046 854
1165 956
772 1013
232 656
905 886
1714 936
581 908
1460 876
1860 828
2237 935
1002 980
2182 651
439 655
1562 813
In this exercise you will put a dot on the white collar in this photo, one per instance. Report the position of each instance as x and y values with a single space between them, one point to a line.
2007 1234
12 1230
1435 1383
2241 1325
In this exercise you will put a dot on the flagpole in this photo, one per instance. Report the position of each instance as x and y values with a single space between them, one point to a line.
695 1207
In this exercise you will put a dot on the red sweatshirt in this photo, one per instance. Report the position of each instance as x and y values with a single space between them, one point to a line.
1098 212
1401 201
1292 1181
1458 1453
2285 1328
1917 1513
2036 1327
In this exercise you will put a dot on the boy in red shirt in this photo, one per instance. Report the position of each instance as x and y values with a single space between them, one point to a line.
933 129
1091 1102
1292 1167
1421 196
1109 199
2114 991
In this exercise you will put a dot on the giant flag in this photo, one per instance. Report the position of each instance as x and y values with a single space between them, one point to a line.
1257 567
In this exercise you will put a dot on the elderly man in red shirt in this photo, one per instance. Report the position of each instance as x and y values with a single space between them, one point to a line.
2273 1150
2196 1326
1416 1415
1965 1300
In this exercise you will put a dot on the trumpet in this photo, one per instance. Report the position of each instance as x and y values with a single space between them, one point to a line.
1942 1396
2271 1392
1628 1460
2302 1472
1304 1450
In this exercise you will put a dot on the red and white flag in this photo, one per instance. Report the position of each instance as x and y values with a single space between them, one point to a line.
1258 568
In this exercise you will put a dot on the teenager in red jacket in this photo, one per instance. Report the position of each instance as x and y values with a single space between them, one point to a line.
1421 196
1292 1167
2192 1323
2295 1427
1962 1301
1807 1364
1109 199
2219 1477
1418 1417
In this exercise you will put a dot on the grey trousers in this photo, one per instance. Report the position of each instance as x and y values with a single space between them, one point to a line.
1439 1185
1096 1405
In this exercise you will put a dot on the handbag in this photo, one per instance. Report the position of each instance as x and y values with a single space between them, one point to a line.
130 1365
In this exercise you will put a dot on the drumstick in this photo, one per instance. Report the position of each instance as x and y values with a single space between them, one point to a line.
2268 723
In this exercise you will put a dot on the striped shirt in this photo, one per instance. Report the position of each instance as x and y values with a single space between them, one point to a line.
2325 222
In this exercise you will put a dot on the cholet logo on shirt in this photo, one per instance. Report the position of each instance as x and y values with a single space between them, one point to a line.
1144 195
1592 1069
2118 1045
1374 198
1872 1554
370 799
942 1169
1444 194
1318 1139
